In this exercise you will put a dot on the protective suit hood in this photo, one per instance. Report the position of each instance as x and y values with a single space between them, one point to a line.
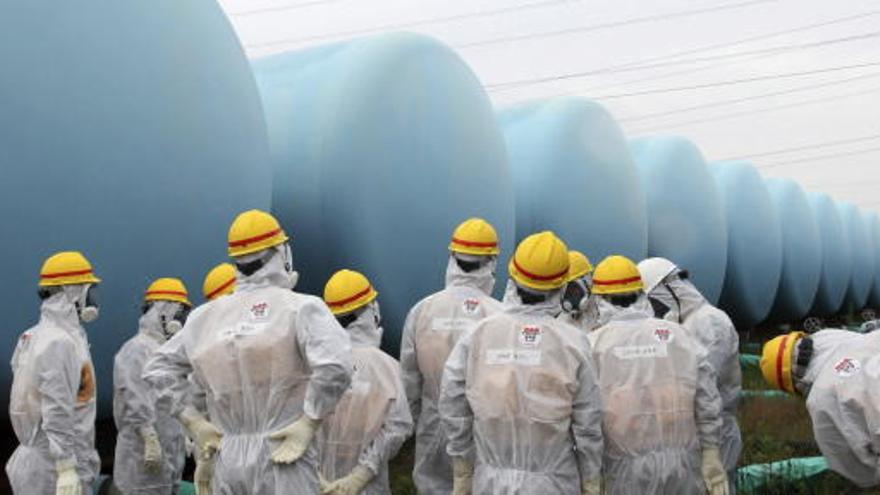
366 330
60 309
608 312
482 278
684 299
150 323
550 307
272 274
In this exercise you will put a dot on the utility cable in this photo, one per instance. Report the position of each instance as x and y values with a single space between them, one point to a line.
609 70
825 144
410 24
820 158
732 101
613 24
757 111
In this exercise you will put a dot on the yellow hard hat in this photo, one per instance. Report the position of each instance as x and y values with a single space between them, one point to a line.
578 266
67 268
776 360
617 275
348 290
220 281
167 289
540 262
475 236
254 231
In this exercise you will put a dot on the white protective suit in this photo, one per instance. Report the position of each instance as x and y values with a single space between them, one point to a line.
520 400
430 332
266 355
716 333
843 398
372 420
586 320
52 404
661 405
136 405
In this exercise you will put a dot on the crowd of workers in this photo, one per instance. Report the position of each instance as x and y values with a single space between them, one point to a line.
619 380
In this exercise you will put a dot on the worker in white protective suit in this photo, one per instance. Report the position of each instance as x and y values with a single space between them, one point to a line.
52 402
150 443
432 328
372 420
838 372
675 298
273 363
578 306
519 399
662 409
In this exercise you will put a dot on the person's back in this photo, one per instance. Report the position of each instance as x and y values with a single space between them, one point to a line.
647 375
837 371
660 401
432 328
52 402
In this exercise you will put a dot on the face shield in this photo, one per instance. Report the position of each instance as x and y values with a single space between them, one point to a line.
86 302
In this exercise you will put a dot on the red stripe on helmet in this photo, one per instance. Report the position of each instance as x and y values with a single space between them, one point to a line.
166 293
616 282
540 278
351 299
257 238
66 274
779 362
220 289
474 244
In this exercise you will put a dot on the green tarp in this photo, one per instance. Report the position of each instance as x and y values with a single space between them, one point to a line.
751 479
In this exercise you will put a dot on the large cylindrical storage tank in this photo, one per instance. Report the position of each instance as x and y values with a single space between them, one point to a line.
873 226
686 221
131 131
801 251
573 174
754 243
380 147
861 254
836 262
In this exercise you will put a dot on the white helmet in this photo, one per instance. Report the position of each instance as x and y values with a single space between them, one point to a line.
654 270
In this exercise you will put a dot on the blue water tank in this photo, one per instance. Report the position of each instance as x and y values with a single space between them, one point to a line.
873 226
686 222
836 261
801 251
131 131
380 147
861 254
754 243
573 174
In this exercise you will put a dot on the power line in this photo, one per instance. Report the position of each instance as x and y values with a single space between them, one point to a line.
717 46
822 157
714 84
732 101
614 24
420 22
772 50
825 144
757 111
281 8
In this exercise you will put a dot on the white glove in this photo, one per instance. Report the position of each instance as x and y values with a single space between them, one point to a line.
152 450
357 480
591 487
295 439
68 482
203 432
203 476
463 476
714 474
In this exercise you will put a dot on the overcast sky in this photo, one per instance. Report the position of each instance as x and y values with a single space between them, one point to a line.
660 66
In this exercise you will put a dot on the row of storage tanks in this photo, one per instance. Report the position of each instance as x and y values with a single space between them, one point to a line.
141 151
